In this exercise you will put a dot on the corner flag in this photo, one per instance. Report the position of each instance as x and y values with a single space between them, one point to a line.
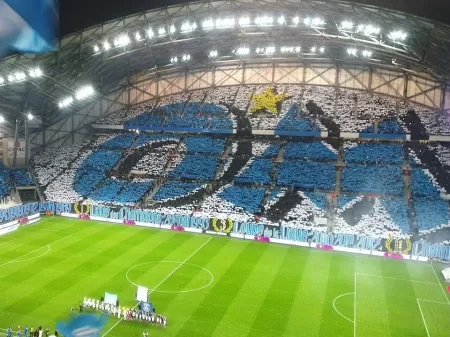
28 26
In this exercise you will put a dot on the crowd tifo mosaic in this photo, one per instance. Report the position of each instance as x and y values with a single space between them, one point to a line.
282 109
379 190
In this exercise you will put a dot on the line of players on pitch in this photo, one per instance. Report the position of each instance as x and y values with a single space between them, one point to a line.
128 314
33 333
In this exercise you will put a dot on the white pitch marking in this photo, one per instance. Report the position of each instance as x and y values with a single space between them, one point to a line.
354 310
440 284
398 279
159 284
334 306
437 302
18 258
423 318
173 291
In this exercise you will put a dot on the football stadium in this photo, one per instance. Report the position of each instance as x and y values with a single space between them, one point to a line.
228 168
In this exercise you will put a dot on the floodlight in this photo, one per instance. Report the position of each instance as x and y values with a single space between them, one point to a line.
322 50
313 22
313 49
150 33
186 57
346 25
161 31
244 21
367 53
2 80
138 36
352 51
213 53
84 92
243 51
2 119
106 45
296 20
65 102
281 20
11 78
397 35
122 40
297 49
208 24
172 29
174 59
96 49
225 23
34 73
270 50
264 20
30 116
368 30
188 27
20 76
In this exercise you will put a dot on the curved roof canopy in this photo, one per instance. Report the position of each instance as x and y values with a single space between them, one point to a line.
187 35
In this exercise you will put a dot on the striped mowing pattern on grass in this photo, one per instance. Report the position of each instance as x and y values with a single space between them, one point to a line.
255 290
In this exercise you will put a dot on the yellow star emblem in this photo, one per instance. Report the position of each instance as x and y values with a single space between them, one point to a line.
267 101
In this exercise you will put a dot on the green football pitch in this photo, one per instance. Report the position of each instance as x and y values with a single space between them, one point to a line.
215 286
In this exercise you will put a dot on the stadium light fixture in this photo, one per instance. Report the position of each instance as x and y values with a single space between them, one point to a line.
174 59
264 20
2 119
11 79
314 22
270 50
397 35
172 29
213 54
281 20
84 92
225 22
30 116
138 36
122 41
187 27
313 49
346 25
244 21
2 80
65 102
20 76
186 57
34 73
241 51
150 33
352 51
106 45
368 30
161 31
208 24
322 50
367 53
296 20
96 49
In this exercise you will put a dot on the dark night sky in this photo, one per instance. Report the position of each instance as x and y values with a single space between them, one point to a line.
79 14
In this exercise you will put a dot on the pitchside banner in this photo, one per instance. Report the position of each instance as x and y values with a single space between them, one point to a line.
32 208
419 248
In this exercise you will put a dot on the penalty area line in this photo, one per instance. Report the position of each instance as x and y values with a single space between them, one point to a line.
160 283
423 318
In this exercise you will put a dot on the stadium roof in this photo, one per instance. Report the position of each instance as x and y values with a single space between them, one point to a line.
273 31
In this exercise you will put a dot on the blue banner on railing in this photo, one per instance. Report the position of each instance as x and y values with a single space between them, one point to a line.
32 208
419 248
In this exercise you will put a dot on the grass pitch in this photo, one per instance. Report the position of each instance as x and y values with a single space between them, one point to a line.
214 286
